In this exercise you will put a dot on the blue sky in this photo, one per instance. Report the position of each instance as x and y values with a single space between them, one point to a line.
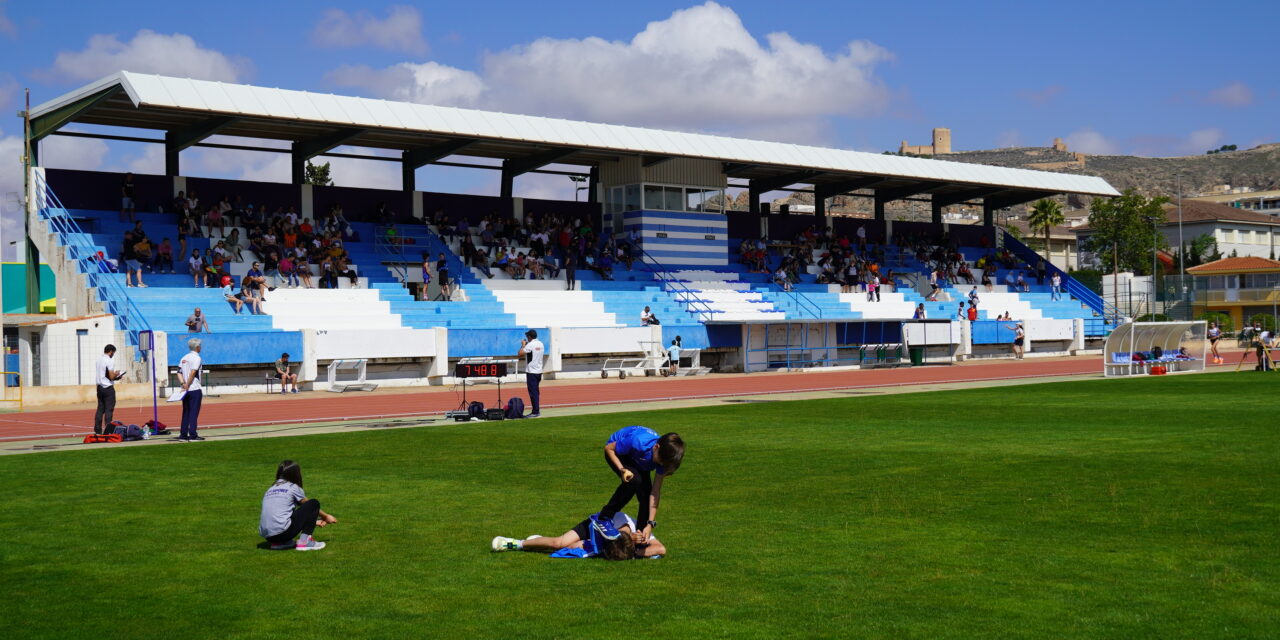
1169 78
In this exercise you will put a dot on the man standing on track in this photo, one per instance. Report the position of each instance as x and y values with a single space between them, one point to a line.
189 369
531 347
106 376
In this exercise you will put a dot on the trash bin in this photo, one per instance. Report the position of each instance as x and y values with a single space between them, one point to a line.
917 356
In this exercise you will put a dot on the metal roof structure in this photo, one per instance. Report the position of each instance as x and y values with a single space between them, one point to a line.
191 110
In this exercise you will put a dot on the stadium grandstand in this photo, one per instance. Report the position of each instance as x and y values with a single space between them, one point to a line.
741 290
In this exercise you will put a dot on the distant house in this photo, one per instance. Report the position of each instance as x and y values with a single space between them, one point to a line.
1247 233
1239 287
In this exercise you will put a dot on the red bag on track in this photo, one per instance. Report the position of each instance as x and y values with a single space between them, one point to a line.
102 437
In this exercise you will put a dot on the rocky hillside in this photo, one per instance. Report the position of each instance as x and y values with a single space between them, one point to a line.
1258 167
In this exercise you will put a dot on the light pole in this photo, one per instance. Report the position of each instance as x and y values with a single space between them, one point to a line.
577 180
1182 261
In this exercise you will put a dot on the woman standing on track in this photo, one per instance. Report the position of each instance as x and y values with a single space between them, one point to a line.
1214 335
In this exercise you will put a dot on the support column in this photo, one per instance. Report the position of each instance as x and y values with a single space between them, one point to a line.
593 184
171 167
937 211
988 213
879 209
819 210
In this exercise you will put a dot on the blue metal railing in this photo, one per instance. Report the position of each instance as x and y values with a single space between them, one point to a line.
704 312
1091 299
80 248
804 302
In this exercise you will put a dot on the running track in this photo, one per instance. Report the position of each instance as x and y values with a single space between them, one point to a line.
320 407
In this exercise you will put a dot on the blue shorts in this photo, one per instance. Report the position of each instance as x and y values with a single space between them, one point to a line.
132 265
126 203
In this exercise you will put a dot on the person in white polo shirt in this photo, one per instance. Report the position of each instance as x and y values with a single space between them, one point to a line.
106 376
189 370
531 348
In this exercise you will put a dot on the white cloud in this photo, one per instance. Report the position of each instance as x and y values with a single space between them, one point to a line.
1088 141
1236 94
64 152
9 88
428 82
11 225
148 52
700 69
400 31
1009 138
6 25
1202 140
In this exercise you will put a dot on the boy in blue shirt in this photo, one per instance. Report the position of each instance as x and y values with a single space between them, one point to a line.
632 453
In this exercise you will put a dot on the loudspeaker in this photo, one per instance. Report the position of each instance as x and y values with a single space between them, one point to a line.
764 208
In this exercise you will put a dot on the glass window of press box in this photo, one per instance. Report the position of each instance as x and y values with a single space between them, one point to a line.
661 197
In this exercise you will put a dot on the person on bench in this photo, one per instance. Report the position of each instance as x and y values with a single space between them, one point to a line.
284 374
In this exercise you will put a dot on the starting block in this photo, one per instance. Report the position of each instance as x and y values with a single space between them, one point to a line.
359 384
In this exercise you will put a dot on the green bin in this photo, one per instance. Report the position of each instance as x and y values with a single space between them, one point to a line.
917 356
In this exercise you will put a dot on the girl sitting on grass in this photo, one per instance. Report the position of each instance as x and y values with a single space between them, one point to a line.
287 512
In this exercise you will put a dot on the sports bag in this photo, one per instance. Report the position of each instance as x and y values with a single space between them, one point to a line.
515 408
134 432
102 437
476 409
157 428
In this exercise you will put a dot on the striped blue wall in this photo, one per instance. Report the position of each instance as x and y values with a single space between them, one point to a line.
691 239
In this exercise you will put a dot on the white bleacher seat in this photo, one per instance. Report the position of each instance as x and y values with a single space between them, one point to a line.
892 304
547 307
332 309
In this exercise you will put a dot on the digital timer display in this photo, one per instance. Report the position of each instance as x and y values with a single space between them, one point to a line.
480 370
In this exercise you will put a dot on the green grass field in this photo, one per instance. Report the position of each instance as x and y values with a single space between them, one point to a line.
1131 508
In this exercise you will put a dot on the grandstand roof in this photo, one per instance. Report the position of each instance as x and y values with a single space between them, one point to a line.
192 107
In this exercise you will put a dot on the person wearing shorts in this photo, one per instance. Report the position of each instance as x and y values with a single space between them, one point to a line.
129 256
1214 334
128 208
442 272
1019 337
625 545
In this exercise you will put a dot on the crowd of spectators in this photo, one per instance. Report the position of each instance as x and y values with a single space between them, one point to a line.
554 244
854 263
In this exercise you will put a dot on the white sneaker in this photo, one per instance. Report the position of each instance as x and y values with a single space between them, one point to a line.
311 545
500 544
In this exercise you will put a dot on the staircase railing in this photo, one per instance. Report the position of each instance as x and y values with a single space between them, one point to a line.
704 312
1084 294
391 253
805 303
80 248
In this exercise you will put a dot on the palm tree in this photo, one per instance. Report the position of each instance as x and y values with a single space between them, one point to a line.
1045 214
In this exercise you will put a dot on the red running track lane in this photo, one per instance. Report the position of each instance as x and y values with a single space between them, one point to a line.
319 407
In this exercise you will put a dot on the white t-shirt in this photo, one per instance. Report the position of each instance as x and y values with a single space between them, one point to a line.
105 363
534 360
189 363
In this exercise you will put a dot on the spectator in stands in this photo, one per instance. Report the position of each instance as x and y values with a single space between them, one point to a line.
145 252
288 273
873 288
960 314
1055 287
129 258
781 278
549 265
328 273
257 280
271 267
480 261
383 215
1022 283
534 264
1040 271
605 265
164 257
1009 281
570 266
197 322
248 297
106 376
862 238
933 285
442 272
128 208
973 311
647 318
986 281
214 219
189 374
919 314
229 294
232 246
285 374
973 295
196 267
302 269
673 355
